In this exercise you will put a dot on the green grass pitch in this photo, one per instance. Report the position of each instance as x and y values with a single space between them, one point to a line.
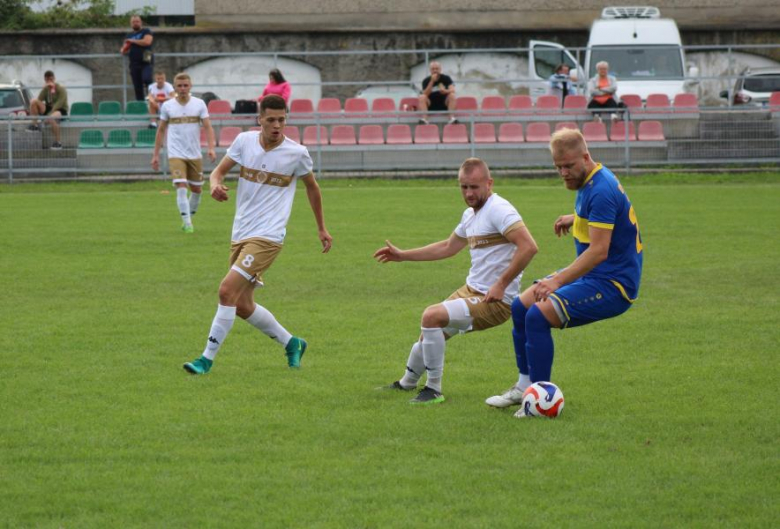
671 414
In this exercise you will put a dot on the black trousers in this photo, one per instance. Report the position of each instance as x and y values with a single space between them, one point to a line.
141 74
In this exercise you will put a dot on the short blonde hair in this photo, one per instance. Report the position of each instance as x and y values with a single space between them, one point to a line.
568 140
182 75
470 164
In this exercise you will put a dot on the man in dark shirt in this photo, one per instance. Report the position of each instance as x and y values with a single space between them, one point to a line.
52 102
438 94
138 48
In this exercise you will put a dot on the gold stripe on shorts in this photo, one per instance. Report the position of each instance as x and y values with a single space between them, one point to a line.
485 241
263 177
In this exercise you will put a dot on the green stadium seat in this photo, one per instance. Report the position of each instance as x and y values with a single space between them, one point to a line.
91 139
82 112
136 110
119 139
145 137
109 110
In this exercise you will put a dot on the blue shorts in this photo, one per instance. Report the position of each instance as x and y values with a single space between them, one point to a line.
588 300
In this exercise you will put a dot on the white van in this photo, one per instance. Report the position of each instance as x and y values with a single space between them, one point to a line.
644 52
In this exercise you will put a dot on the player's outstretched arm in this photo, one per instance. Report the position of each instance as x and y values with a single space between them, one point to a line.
315 201
563 224
158 141
525 250
218 189
432 252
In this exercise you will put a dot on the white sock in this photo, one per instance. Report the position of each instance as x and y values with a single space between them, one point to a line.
220 328
265 321
194 202
415 366
524 381
184 205
433 354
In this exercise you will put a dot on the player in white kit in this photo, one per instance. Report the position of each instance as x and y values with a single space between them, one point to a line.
501 248
181 118
160 91
270 166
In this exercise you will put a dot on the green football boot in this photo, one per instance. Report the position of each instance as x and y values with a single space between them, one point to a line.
427 396
294 351
188 228
201 366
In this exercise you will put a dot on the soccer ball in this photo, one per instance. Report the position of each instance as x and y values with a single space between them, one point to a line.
542 399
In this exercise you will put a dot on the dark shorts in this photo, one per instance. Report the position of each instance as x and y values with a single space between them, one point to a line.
63 111
588 300
438 103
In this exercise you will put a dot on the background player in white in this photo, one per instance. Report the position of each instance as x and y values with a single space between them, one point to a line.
501 248
184 116
159 92
270 168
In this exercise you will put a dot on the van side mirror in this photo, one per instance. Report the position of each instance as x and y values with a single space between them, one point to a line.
693 71
724 94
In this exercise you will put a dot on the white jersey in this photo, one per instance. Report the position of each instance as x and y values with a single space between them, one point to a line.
266 186
183 139
491 252
163 93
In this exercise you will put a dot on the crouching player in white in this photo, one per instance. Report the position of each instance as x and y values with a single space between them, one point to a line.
501 248
270 168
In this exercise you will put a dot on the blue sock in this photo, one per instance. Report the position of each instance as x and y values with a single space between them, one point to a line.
518 335
539 346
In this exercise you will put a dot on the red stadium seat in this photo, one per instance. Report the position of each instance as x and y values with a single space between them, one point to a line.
548 104
494 104
227 135
538 132
632 101
651 131
685 103
618 132
329 105
371 135
258 129
410 104
399 135
310 135
219 108
485 133
521 103
301 106
356 107
594 131
574 102
291 132
566 125
455 133
510 133
426 134
343 135
774 101
657 103
383 107
466 106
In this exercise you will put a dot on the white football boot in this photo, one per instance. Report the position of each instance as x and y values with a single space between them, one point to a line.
511 397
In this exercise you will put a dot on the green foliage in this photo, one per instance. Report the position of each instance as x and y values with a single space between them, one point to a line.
74 14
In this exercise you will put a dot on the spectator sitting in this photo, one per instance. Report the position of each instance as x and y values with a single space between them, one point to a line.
602 88
159 92
52 101
561 83
438 93
277 85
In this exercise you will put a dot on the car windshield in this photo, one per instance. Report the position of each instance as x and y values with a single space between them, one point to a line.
656 62
763 83
11 99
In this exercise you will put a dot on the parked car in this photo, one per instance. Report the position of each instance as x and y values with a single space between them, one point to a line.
14 99
754 87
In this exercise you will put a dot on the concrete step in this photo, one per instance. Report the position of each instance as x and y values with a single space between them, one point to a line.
756 115
737 130
724 150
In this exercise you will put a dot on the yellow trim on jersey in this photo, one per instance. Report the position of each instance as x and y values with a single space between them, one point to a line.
464 239
580 229
594 171
517 225
622 291
485 241
602 225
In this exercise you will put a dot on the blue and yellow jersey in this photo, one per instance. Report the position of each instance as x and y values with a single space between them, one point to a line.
602 203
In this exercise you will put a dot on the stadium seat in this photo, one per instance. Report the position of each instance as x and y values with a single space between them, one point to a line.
566 125
301 106
371 135
538 132
310 135
594 131
399 135
219 108
425 134
521 103
356 107
342 135
466 106
548 104
774 101
485 133
651 131
510 133
136 110
455 133
685 103
575 102
410 104
383 107
633 102
618 131
91 139
657 103
227 135
329 105
82 112
109 110
145 137
291 131
494 105
203 141
119 139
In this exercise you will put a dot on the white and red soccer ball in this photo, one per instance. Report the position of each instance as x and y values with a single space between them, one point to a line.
542 399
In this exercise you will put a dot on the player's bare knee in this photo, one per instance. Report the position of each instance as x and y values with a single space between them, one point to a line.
227 294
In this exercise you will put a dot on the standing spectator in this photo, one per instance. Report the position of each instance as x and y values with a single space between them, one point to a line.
138 48
602 88
438 93
159 92
52 101
277 85
561 83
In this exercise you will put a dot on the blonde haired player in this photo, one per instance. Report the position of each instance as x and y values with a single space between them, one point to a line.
181 119
270 166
